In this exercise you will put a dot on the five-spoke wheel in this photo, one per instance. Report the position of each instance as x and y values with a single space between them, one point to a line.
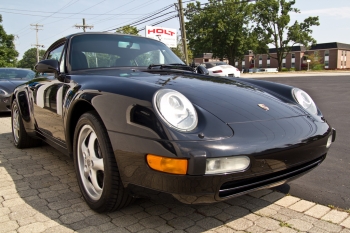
96 167
90 162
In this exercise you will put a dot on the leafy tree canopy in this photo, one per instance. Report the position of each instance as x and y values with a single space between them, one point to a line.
273 27
8 53
29 58
127 29
220 27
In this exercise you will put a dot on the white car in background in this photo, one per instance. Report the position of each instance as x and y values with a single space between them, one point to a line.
221 69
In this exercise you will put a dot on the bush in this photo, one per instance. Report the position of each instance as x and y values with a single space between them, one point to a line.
292 69
284 70
318 67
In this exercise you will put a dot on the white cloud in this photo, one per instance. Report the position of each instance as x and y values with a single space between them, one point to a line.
338 12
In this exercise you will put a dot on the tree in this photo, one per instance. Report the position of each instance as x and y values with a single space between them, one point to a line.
29 58
8 53
179 51
127 29
315 61
272 27
220 27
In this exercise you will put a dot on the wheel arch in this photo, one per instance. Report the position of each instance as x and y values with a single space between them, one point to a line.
79 108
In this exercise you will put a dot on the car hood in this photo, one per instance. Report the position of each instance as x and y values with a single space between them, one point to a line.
10 84
230 100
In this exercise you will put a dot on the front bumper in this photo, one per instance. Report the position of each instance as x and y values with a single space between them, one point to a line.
5 103
275 158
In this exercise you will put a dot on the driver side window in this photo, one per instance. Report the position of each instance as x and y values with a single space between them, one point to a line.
58 54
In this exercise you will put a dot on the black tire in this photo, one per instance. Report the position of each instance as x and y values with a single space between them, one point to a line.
102 190
20 137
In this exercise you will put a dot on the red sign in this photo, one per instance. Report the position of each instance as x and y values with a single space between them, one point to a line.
160 31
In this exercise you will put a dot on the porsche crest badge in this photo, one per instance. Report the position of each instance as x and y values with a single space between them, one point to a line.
263 106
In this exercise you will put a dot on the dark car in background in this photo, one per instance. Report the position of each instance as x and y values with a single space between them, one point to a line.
10 78
139 122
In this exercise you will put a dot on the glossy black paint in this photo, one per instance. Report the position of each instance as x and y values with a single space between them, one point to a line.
284 142
8 85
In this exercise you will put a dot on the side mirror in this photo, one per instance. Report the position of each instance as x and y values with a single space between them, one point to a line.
48 66
202 70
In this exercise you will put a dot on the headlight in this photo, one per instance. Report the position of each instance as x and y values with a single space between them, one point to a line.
227 164
175 109
305 100
3 92
329 141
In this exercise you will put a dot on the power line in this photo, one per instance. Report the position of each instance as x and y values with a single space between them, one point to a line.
34 15
159 22
70 17
81 11
71 13
62 8
145 17
105 13
142 21
132 9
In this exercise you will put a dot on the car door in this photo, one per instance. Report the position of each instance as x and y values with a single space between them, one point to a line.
48 96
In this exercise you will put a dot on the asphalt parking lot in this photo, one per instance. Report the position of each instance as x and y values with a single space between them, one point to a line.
329 183
39 193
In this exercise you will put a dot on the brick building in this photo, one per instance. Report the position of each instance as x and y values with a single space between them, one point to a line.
333 55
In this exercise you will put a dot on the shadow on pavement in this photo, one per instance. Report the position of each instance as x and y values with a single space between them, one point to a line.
39 191
5 114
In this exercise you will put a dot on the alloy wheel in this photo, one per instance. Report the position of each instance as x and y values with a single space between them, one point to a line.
15 123
90 162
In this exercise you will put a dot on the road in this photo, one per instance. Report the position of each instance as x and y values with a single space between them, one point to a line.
329 184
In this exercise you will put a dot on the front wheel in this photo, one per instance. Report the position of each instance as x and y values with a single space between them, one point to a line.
95 165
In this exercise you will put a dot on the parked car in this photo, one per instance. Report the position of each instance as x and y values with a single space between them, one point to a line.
221 69
9 79
139 122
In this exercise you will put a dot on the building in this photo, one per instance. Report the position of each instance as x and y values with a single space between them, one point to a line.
205 57
333 55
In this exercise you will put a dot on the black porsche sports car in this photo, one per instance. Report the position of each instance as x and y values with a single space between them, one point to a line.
139 122
9 79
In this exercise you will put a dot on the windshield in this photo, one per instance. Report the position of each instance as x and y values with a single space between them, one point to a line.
16 74
109 50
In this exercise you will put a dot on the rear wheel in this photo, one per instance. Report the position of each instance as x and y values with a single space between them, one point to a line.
20 137
95 165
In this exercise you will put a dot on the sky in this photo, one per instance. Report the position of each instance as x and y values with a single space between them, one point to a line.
59 17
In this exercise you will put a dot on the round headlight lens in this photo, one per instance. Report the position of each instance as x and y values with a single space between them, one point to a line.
176 110
305 100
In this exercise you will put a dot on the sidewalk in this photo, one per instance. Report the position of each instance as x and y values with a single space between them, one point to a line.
295 74
39 193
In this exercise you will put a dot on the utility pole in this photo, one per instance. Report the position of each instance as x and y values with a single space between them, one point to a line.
84 26
37 45
183 31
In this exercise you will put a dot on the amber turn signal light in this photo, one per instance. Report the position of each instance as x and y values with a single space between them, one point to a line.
168 165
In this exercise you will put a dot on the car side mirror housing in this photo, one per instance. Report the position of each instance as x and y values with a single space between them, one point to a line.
202 70
48 66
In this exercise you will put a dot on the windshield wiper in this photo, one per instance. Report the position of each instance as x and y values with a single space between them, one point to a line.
177 66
